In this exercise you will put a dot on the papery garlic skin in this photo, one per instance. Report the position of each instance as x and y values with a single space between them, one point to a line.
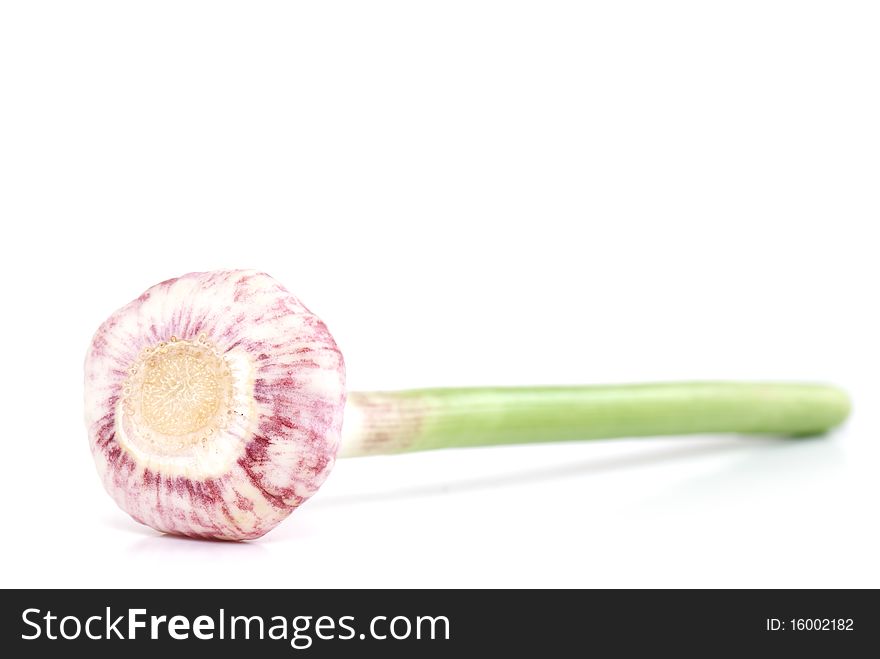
214 404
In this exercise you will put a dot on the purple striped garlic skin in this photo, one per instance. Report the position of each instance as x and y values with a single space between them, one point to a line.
214 404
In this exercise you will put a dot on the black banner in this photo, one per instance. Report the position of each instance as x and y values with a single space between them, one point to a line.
436 622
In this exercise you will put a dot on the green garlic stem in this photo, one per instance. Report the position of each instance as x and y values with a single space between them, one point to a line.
425 419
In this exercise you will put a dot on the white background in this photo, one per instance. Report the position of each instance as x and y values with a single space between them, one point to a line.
467 193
